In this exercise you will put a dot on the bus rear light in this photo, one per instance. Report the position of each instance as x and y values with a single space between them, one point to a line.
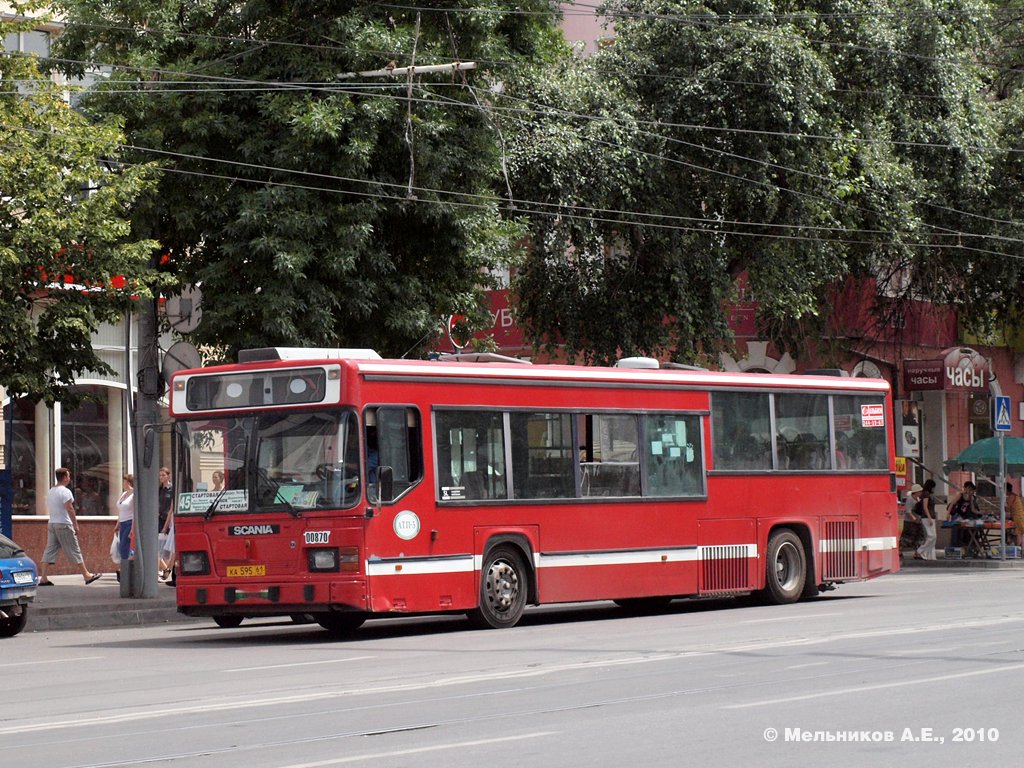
195 563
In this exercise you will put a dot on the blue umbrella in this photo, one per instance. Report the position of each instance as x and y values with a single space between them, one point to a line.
983 456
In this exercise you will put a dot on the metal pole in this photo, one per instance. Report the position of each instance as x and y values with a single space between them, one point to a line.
147 456
7 474
1002 497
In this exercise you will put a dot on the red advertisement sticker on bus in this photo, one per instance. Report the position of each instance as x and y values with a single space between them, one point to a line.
872 415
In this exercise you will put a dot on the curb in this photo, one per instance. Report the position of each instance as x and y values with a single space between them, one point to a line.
133 613
983 564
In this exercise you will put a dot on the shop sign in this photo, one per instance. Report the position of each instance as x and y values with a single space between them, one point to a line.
959 369
922 374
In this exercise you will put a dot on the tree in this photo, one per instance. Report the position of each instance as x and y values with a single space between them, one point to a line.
313 206
68 258
798 144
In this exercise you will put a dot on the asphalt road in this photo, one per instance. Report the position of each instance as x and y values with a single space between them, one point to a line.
920 668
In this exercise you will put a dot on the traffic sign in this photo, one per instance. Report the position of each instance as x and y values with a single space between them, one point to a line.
1001 415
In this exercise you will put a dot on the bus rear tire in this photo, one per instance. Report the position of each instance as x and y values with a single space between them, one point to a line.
341 623
504 584
785 569
228 622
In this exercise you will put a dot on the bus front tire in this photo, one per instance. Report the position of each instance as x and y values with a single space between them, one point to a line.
503 589
786 569
228 622
341 623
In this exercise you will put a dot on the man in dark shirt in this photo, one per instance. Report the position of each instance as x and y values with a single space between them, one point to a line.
166 497
164 510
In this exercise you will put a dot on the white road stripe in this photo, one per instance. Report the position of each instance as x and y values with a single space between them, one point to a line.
51 661
419 750
810 664
299 664
877 687
790 618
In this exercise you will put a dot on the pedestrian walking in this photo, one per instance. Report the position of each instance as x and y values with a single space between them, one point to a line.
925 509
62 530
166 519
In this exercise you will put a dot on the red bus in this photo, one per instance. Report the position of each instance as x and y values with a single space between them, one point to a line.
357 487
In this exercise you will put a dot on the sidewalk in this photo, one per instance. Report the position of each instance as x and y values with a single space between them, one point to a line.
909 562
71 604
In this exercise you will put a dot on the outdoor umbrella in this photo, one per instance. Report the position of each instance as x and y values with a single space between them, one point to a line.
983 457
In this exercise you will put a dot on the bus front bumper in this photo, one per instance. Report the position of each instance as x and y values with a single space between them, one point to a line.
210 597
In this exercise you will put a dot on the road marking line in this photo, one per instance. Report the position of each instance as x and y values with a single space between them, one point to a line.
514 674
51 661
790 618
418 750
299 664
877 687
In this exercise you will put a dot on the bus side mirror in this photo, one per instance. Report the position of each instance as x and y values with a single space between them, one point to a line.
385 484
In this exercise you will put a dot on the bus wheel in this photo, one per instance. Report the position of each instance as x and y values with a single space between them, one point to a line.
341 623
503 588
228 622
786 568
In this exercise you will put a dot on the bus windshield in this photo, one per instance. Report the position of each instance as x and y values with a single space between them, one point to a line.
277 461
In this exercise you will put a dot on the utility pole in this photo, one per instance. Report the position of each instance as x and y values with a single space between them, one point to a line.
144 569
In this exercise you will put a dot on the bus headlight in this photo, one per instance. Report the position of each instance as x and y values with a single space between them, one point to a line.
333 559
195 563
322 559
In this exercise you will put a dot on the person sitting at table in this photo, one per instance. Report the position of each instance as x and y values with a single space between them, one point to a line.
964 508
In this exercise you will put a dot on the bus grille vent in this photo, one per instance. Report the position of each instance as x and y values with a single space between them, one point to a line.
840 560
724 569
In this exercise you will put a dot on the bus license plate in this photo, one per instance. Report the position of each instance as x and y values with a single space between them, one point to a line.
247 570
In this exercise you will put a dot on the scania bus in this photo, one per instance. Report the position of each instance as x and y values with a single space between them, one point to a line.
359 487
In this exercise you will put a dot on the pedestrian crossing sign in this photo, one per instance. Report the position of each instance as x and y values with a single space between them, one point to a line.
1001 414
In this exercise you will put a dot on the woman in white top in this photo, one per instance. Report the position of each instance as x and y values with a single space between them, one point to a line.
125 517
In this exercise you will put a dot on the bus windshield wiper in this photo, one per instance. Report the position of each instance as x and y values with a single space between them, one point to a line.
213 505
263 476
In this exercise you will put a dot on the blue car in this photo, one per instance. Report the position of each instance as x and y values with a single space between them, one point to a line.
18 581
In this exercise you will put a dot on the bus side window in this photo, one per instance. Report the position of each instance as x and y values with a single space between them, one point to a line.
674 461
399 445
470 450
741 430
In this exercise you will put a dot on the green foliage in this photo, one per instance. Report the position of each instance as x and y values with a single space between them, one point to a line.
316 209
800 143
68 258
